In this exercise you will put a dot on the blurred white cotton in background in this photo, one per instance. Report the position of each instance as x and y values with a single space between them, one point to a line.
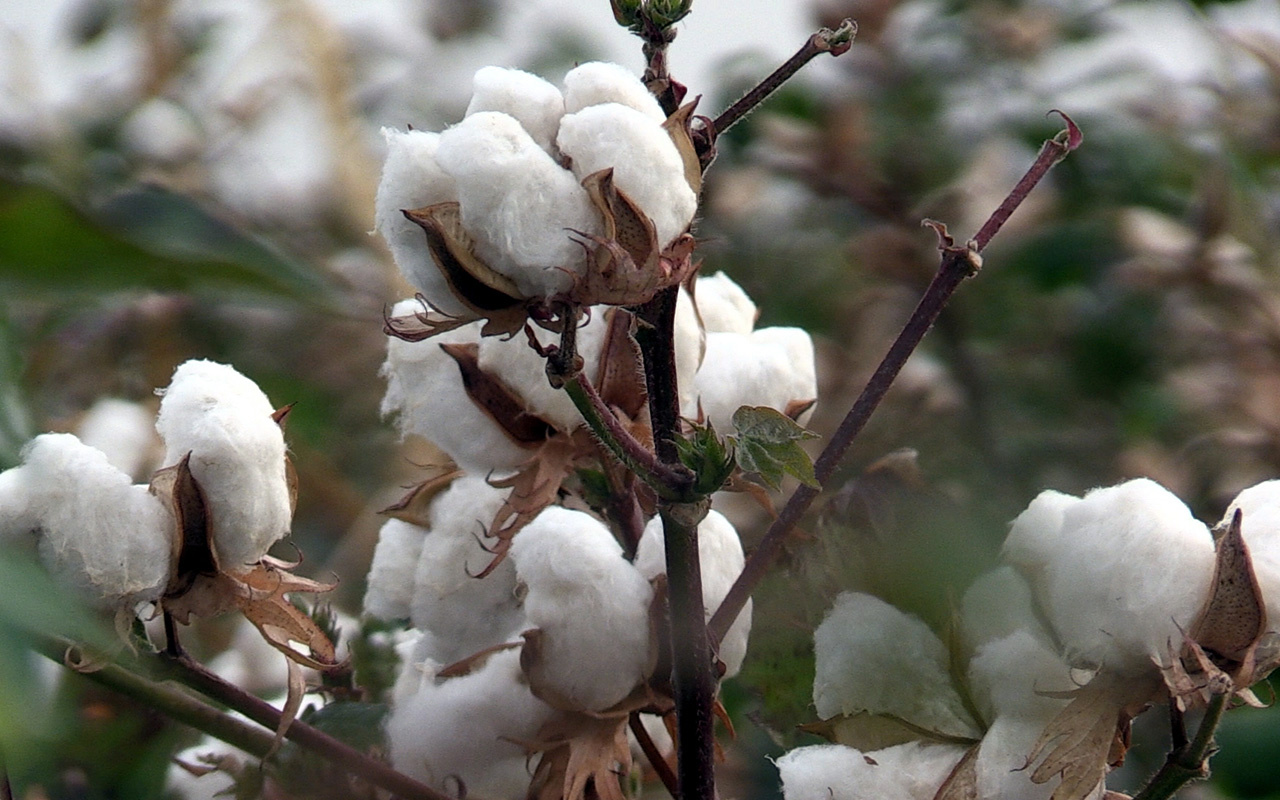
125 432
771 367
724 306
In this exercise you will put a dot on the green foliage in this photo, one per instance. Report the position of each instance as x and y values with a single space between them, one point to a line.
707 456
768 444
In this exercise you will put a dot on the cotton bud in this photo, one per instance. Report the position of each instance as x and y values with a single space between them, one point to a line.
97 531
591 609
598 82
911 771
465 735
425 389
1120 573
390 584
411 179
721 557
238 457
645 162
530 100
771 367
872 657
1260 525
517 203
463 612
724 306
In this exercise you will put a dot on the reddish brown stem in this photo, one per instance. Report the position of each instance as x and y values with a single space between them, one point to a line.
656 759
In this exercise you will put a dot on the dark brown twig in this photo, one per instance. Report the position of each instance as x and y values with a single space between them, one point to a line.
957 264
656 759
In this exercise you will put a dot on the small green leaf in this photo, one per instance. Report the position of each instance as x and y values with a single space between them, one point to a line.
768 444
708 456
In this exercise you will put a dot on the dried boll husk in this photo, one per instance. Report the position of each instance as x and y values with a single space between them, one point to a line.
590 607
911 771
598 82
238 457
1260 526
771 367
721 557
389 592
533 102
724 306
412 179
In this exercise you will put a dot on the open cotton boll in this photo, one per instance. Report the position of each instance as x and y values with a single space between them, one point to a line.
1260 525
411 178
771 367
390 585
646 164
518 204
996 604
468 732
724 306
597 82
110 539
237 453
721 556
1124 573
524 371
125 432
911 771
465 614
424 388
590 603
533 102
872 657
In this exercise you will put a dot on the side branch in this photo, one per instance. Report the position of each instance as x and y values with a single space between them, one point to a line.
957 264
1189 762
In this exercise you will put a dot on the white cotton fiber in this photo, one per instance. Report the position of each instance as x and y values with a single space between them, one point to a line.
771 367
125 432
465 735
911 771
518 204
590 603
646 164
1010 676
998 603
724 306
425 390
1119 573
237 453
390 584
690 345
1261 528
598 82
17 521
98 532
464 614
872 657
533 102
412 179
721 559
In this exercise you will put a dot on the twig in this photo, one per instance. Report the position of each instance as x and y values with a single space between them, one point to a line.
656 759
957 264
1191 761
6 791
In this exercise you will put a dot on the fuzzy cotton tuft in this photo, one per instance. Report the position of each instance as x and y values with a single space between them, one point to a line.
771 367
911 771
533 102
598 82
390 583
724 306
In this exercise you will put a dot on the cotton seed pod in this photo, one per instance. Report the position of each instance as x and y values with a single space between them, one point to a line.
412 179
98 532
722 559
724 306
872 657
1260 526
645 162
590 606
390 583
1120 573
517 203
238 457
466 735
771 367
911 771
598 82
533 102
464 614
425 390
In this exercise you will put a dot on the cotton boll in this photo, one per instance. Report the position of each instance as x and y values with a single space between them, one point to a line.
468 730
590 603
911 771
771 367
530 100
518 204
1260 525
464 614
872 657
125 432
110 539
237 453
998 603
1123 575
598 82
390 584
646 164
424 387
17 521
724 306
721 557
411 179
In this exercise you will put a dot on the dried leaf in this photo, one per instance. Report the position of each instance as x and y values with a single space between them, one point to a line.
583 759
621 382
962 783
534 487
496 399
1089 734
422 324
415 507
297 689
677 127
868 732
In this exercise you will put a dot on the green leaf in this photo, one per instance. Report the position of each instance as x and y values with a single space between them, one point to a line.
709 458
768 444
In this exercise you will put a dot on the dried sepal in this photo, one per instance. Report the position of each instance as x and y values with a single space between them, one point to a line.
193 554
621 381
677 127
622 263
1235 615
422 324
415 506
962 783
1085 737
496 399
261 595
583 757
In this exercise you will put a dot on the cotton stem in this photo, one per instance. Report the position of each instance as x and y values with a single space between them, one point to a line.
655 757
1191 761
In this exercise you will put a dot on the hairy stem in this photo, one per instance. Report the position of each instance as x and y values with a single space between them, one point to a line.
957 263
1190 762
656 759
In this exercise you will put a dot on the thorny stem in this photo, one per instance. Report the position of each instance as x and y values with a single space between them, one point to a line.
1191 761
957 264
655 757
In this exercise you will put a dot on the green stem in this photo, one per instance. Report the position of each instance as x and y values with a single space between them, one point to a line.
1191 762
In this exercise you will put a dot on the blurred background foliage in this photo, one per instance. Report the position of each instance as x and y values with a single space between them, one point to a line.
184 179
